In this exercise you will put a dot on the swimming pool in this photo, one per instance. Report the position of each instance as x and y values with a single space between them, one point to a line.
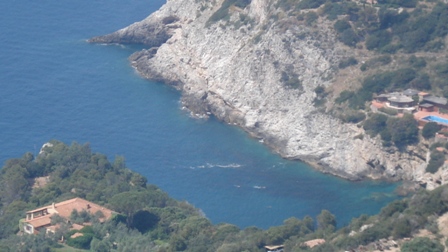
436 119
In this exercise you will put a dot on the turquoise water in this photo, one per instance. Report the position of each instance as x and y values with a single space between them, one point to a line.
436 119
54 85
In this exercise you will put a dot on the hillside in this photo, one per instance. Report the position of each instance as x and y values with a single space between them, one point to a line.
293 73
156 222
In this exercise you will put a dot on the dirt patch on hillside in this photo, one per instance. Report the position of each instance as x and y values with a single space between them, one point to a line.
40 182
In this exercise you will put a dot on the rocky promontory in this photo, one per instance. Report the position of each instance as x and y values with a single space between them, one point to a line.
253 69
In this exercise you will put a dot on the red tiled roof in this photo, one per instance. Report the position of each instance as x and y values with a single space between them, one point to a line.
65 208
40 221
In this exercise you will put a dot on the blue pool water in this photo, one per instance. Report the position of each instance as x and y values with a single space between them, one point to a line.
54 85
436 119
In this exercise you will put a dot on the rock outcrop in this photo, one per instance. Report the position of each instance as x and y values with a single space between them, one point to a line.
238 69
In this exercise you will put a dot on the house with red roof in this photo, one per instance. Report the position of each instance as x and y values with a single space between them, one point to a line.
39 219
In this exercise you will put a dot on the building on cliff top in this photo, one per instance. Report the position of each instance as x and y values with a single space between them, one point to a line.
39 219
401 102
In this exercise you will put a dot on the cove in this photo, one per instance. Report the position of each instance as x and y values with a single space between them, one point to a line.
54 85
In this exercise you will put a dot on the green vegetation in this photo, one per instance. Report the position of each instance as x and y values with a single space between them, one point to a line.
404 131
422 244
77 172
311 17
376 62
376 84
400 131
223 12
152 221
389 111
347 62
436 161
310 4
430 129
320 98
387 29
354 117
291 80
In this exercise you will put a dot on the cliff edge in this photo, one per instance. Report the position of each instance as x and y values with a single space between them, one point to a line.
250 68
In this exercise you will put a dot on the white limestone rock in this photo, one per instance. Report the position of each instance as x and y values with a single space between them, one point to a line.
235 72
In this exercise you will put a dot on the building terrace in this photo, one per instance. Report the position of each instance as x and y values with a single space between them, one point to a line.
429 108
400 101
39 219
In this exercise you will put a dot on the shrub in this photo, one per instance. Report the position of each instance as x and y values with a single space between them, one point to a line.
399 3
421 82
404 131
390 17
81 242
386 136
378 39
363 67
291 81
319 90
379 61
242 3
311 17
390 48
381 230
417 62
355 117
414 40
87 230
326 221
310 4
170 19
422 244
347 62
402 228
223 11
442 69
359 136
435 145
348 37
403 76
344 96
436 161
376 83
434 46
397 206
389 111
332 10
341 25
319 102
375 124
430 129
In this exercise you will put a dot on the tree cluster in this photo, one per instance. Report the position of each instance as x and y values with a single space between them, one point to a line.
400 131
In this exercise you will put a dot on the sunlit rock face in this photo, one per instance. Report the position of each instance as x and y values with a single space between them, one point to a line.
261 74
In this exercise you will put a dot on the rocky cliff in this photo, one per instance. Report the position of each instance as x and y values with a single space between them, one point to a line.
259 69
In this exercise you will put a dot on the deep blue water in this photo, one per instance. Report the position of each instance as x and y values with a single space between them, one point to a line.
54 85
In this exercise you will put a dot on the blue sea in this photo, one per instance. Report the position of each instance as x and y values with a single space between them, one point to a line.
54 85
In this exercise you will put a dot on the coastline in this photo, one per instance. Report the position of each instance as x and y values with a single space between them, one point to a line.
204 65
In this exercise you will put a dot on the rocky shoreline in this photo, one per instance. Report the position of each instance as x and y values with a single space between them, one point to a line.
234 70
